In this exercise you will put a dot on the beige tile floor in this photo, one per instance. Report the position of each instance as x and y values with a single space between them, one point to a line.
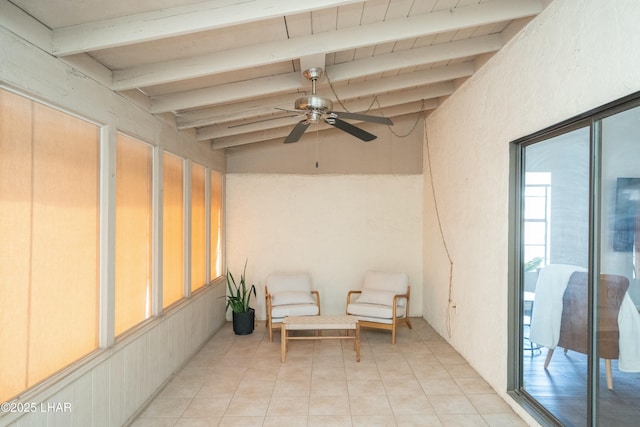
240 381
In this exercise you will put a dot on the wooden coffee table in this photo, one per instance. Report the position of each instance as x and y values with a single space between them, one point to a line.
319 323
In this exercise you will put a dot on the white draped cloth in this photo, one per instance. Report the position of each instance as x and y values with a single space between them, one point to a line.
547 316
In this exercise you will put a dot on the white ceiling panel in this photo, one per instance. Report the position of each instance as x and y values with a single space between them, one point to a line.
232 70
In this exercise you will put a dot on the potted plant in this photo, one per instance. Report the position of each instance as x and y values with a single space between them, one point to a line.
238 298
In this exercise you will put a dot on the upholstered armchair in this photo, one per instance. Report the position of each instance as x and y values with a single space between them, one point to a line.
289 295
382 302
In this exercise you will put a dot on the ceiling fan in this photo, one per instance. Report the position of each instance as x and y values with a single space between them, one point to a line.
317 108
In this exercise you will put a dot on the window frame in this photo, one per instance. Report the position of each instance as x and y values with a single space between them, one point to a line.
591 119
34 104
149 311
107 341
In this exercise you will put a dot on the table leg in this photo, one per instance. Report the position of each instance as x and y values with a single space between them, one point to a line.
357 342
283 343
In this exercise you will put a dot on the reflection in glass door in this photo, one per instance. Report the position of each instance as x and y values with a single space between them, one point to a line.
619 293
555 240
579 269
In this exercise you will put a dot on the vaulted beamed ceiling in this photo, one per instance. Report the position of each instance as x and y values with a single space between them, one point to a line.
229 69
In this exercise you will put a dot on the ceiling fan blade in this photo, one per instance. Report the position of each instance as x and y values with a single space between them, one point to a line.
362 117
351 129
297 131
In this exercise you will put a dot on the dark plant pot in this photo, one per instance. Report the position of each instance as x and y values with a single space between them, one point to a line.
243 323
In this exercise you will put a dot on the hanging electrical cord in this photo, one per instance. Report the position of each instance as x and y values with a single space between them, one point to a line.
415 124
450 304
375 101
333 90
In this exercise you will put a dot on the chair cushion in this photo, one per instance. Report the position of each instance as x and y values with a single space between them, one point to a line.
374 310
375 296
282 311
288 282
292 297
394 282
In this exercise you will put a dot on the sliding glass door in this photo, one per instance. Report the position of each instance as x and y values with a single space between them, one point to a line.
618 298
578 270
561 164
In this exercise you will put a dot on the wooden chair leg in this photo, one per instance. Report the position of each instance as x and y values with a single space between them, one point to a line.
393 333
548 359
270 328
607 365
409 323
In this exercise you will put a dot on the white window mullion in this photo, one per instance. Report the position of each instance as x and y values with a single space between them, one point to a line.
156 288
207 225
107 235
186 237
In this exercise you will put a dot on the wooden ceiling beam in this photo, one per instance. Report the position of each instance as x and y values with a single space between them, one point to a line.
410 58
334 41
385 106
254 122
265 86
222 94
235 111
176 21
405 81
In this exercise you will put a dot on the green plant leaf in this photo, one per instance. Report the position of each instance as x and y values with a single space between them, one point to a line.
239 294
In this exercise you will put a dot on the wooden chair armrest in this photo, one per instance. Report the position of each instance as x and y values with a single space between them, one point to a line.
349 294
267 298
395 302
317 295
394 307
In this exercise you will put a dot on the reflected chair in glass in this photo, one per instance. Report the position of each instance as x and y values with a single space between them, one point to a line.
574 334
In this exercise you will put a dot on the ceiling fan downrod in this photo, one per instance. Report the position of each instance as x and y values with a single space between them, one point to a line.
313 74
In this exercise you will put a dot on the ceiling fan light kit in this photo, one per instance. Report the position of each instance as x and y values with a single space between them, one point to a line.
317 108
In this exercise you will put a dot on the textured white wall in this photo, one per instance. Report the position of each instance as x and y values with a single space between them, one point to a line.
333 226
575 56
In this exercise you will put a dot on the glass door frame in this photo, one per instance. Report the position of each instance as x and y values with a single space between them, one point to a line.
593 120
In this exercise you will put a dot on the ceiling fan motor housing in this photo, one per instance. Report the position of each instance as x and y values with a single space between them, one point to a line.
313 102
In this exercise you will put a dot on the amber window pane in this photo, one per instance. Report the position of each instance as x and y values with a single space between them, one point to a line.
49 220
198 241
65 236
133 233
216 224
15 229
173 230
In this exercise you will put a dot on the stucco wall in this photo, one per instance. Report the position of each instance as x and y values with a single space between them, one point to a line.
576 55
335 227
